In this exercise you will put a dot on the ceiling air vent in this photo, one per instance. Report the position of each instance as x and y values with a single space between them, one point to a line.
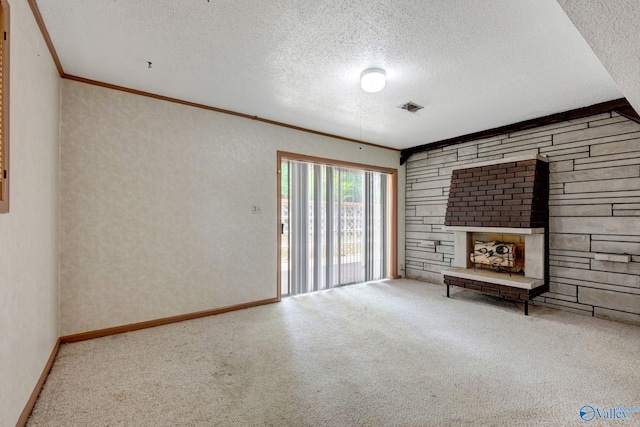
411 107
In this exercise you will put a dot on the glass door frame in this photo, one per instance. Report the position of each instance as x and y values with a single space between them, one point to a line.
393 215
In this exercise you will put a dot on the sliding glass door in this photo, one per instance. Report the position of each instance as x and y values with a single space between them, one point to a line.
335 226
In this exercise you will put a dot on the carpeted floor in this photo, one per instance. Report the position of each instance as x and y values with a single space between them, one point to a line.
391 353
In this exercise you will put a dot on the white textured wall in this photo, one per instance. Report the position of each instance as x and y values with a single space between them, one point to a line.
28 234
156 206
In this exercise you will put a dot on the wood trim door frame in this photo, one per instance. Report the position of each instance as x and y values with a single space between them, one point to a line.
393 215
6 81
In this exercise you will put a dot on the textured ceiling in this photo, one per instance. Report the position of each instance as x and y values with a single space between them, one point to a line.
473 65
613 31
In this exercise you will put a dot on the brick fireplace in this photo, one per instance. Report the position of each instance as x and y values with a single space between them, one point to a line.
503 200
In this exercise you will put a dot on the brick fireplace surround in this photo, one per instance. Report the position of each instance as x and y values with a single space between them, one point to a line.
511 194
508 196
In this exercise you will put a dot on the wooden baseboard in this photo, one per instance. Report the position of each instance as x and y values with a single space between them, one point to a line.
36 391
22 421
159 322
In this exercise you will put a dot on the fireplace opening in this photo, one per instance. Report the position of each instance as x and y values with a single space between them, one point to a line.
498 252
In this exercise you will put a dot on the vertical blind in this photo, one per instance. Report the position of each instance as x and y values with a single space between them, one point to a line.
338 226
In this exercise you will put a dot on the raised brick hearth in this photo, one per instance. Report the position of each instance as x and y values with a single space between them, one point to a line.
494 288
497 290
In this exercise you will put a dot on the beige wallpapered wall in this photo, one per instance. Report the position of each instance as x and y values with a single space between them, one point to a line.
28 233
156 204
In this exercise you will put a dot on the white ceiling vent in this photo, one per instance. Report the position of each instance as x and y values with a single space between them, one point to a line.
411 107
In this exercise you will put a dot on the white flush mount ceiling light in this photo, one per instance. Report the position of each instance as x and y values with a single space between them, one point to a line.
373 80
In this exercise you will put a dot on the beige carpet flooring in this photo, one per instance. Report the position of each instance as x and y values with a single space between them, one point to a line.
390 353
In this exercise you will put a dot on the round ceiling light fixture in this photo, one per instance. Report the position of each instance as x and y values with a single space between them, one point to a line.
373 80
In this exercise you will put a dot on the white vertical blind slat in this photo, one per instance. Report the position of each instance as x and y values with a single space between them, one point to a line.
336 237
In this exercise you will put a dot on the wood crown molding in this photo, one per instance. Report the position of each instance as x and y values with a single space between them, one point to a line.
219 110
54 55
629 113
621 106
45 34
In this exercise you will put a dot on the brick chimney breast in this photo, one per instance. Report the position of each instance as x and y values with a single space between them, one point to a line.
511 194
